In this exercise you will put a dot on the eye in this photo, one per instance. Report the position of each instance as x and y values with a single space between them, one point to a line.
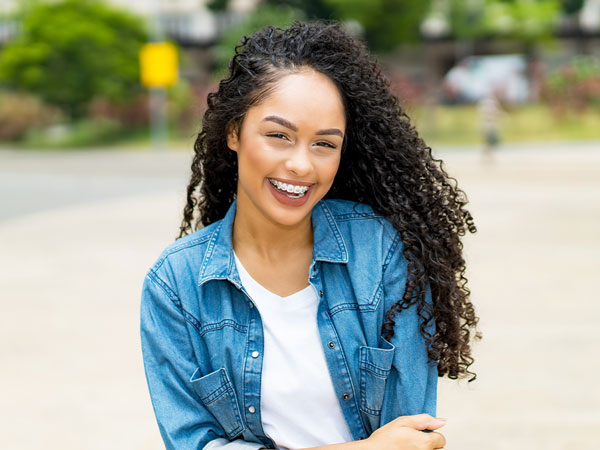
278 136
325 144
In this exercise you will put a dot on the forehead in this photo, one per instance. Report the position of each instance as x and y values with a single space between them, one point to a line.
305 98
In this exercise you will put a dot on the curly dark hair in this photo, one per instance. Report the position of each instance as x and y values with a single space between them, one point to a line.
385 164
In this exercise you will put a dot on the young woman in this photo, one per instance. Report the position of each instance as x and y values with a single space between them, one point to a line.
325 293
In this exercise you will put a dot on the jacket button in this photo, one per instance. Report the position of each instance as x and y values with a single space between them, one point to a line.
255 354
251 305
346 396
251 409
320 293
331 344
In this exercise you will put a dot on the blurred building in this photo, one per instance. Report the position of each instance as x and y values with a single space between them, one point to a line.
189 22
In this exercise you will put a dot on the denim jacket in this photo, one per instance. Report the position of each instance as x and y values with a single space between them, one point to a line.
202 336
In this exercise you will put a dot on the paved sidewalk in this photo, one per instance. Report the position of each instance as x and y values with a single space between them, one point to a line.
79 230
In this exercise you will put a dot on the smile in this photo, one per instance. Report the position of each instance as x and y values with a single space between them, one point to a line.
290 190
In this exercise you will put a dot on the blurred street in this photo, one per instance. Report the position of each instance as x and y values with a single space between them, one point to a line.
79 229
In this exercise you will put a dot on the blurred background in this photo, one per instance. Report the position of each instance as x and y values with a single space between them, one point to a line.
100 102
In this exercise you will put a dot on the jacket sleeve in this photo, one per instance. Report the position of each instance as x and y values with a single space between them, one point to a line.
412 384
169 363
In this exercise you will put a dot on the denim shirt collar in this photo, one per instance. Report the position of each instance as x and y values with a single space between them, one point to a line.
219 263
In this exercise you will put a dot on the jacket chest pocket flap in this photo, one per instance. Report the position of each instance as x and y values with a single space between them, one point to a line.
375 365
218 396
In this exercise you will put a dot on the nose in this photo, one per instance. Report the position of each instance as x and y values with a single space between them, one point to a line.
298 161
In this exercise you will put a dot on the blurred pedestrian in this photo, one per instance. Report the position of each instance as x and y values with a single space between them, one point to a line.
489 116
326 292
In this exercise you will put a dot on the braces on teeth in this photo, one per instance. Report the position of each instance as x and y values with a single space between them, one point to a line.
289 189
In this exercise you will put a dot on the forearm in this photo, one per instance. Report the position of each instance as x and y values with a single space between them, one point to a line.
352 445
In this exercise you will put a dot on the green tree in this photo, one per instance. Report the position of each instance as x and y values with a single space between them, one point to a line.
262 16
72 51
386 23
525 20
312 9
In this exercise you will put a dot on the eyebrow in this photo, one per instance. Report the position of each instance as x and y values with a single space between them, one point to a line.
286 123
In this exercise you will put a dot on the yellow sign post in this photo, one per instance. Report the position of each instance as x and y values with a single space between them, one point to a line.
158 71
158 64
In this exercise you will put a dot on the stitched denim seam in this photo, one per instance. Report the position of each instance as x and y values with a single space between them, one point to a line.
388 257
204 329
357 401
377 371
153 276
217 394
192 243
188 317
336 231
343 307
209 249
355 216
363 397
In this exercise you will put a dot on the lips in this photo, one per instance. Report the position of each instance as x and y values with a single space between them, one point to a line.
286 197
292 190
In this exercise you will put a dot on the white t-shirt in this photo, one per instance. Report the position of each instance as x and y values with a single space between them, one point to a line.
299 407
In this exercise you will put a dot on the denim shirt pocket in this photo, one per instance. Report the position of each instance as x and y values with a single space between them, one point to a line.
218 396
374 367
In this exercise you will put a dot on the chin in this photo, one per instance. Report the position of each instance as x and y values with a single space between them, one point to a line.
290 218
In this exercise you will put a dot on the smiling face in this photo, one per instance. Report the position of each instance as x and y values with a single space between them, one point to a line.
289 148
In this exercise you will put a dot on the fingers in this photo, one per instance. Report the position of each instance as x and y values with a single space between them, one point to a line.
421 422
437 440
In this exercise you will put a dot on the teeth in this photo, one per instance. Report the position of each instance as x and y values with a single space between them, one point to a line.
290 188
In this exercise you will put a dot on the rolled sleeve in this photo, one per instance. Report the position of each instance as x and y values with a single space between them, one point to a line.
169 363
238 444
412 385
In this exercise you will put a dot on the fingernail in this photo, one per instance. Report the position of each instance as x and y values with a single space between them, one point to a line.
438 421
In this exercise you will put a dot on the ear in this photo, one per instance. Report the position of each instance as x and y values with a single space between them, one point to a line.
233 140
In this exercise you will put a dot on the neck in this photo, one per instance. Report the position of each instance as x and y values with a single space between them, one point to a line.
256 233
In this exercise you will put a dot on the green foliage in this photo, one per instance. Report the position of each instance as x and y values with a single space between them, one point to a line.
263 15
571 6
575 86
81 133
217 5
71 51
525 20
312 9
386 23
20 112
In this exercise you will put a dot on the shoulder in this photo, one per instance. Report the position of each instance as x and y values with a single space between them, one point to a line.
185 254
361 225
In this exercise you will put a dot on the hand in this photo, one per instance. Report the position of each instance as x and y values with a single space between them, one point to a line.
405 433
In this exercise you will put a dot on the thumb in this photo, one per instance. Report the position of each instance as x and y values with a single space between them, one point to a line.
421 422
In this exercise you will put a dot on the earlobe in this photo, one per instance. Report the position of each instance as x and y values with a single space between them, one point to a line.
233 141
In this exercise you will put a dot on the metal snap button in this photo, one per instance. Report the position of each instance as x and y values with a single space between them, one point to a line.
251 409
320 293
346 396
255 354
331 344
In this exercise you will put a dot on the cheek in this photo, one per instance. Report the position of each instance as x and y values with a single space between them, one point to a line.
254 159
330 170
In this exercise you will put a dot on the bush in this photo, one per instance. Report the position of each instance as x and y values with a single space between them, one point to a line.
20 112
83 133
71 51
573 87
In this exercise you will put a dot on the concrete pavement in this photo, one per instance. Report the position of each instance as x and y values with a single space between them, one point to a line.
78 231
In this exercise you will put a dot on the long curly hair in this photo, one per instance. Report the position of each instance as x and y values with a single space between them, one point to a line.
385 164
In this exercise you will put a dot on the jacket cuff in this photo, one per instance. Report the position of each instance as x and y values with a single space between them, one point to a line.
238 444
